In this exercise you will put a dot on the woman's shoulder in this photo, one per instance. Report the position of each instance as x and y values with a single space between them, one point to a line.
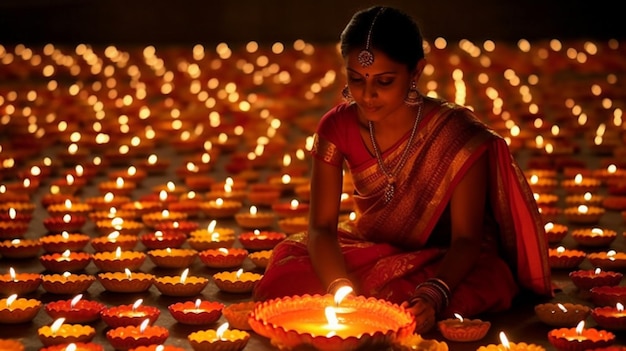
338 117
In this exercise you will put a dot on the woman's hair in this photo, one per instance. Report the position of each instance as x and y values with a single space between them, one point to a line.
394 32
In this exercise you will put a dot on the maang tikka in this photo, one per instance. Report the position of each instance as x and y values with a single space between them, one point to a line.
366 56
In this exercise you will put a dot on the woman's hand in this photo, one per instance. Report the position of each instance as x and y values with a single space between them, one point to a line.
424 313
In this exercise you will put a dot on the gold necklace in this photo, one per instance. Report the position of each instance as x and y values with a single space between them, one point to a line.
391 176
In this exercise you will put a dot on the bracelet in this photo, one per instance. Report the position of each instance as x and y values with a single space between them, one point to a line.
434 291
337 283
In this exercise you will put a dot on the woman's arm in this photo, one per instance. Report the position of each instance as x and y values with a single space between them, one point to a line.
326 187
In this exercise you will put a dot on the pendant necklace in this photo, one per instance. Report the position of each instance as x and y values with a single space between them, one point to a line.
391 176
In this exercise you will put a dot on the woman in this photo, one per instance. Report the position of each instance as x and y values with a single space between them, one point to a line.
446 222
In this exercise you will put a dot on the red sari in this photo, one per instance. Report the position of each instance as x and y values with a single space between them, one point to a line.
392 247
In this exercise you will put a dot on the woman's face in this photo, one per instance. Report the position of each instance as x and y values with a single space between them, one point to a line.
379 89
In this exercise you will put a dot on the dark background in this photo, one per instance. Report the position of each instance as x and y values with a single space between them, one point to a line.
233 21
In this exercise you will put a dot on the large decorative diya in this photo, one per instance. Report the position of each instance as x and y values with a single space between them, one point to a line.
318 321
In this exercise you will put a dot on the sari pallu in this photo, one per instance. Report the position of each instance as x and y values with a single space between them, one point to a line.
385 250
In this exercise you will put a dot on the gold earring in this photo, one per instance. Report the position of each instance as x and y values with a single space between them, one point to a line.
345 93
413 96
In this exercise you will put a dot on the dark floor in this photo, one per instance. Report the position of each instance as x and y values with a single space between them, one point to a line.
560 79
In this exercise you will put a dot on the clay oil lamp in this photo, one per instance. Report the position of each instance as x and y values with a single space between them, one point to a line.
293 225
223 257
11 345
222 339
64 241
61 333
135 314
463 329
157 347
609 317
66 222
56 197
196 313
198 182
107 201
594 237
69 207
614 203
239 282
111 213
587 198
154 218
346 203
12 215
211 237
542 185
118 260
77 310
292 209
132 336
237 314
188 203
118 187
66 283
19 283
562 258
255 219
581 185
608 295
417 342
132 174
20 248
69 183
119 224
143 207
327 322
11 228
67 261
159 240
580 338
555 232
14 310
263 194
176 227
260 258
609 173
172 258
220 208
584 214
506 345
114 240
74 346
288 183
610 260
230 184
546 200
171 188
182 285
562 314
261 240
125 282
586 279
155 165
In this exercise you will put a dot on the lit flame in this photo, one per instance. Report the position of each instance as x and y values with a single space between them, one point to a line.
341 293
331 317
112 237
597 271
239 273
71 347
223 250
54 328
504 341
220 331
619 307
561 307
549 226
459 317
12 274
583 209
129 274
137 304
197 304
144 325
183 276
75 300
253 210
294 204
11 299
118 252
580 327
